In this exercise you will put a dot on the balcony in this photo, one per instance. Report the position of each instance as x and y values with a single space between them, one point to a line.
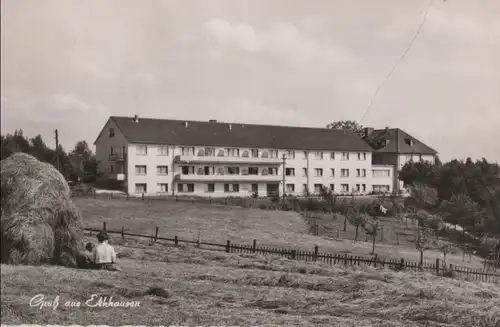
227 160
117 157
228 178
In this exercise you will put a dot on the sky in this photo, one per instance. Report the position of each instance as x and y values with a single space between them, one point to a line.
70 64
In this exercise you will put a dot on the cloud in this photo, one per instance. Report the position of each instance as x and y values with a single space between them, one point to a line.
282 40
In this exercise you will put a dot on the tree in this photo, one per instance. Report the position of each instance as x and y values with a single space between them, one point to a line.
422 197
445 248
420 172
424 241
356 218
347 125
461 210
371 228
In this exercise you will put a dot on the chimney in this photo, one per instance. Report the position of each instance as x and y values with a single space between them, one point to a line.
186 124
135 119
368 131
213 120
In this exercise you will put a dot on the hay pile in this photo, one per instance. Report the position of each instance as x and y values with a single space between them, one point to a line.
39 222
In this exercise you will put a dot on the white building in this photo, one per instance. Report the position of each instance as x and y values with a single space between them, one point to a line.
155 156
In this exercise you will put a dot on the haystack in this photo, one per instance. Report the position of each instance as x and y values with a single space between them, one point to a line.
39 222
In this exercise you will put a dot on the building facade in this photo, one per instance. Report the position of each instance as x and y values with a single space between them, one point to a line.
394 147
169 157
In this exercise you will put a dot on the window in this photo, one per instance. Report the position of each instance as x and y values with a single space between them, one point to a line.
210 188
162 187
161 170
141 188
290 154
304 155
360 172
200 171
332 172
273 153
344 187
209 152
187 170
233 170
317 188
209 170
111 150
332 187
265 154
245 154
220 171
332 155
380 188
220 153
255 188
361 156
185 188
232 152
319 172
163 150
110 169
140 170
304 172
142 150
187 151
344 173
345 156
290 172
363 187
318 155
231 188
273 171
358 187
253 171
381 172
290 188
255 153
111 132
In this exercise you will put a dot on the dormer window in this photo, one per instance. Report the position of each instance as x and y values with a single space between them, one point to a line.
111 132
410 142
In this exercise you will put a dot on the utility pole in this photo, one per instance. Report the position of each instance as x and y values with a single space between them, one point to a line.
57 149
284 172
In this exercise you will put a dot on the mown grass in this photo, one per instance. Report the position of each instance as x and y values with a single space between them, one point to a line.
219 223
215 288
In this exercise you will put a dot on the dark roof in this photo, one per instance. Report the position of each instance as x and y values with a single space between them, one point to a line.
398 142
198 133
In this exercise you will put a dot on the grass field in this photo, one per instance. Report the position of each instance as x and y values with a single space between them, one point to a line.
218 223
211 288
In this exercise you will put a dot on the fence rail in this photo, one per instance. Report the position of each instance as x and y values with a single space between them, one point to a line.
329 258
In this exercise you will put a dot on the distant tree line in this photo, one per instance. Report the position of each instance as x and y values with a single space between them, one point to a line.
79 164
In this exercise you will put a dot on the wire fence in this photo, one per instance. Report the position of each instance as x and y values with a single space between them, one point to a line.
439 267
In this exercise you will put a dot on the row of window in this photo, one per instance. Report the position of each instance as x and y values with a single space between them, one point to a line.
252 153
233 188
210 170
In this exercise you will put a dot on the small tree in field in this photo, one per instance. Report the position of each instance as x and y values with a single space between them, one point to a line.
357 219
423 242
371 228
445 248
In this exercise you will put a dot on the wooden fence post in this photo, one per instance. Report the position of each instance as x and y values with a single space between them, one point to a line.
437 266
156 233
402 263
345 259
375 261
228 246
316 252
103 226
254 245
123 233
176 240
294 253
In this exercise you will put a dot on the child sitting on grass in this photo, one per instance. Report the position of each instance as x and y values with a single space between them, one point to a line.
104 254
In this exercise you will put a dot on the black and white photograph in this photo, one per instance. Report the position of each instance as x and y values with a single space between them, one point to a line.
330 163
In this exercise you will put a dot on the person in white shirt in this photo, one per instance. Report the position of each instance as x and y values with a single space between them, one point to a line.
104 254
